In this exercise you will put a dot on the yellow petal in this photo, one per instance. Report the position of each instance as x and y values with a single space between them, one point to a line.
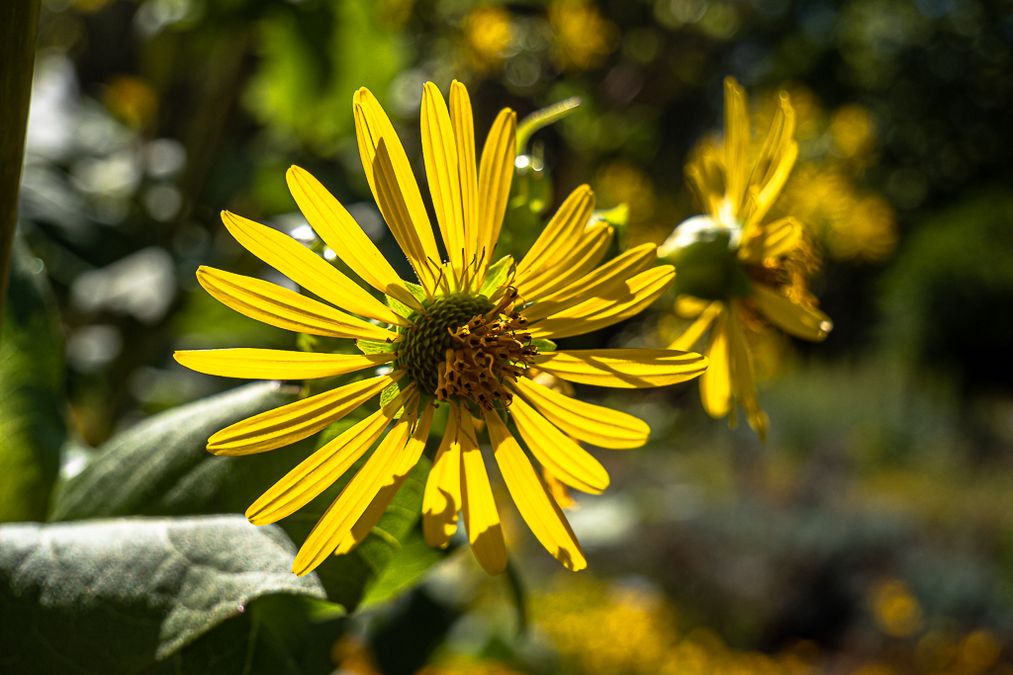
560 235
802 322
481 519
343 235
608 281
690 307
769 163
558 452
586 422
464 132
762 200
716 382
695 331
736 142
294 421
317 472
622 368
442 497
577 262
276 364
706 176
277 306
742 375
394 186
532 498
596 313
340 517
439 152
406 462
772 240
495 173
559 493
307 269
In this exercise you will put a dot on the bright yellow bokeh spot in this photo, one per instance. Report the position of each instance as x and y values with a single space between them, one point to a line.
488 32
582 37
896 609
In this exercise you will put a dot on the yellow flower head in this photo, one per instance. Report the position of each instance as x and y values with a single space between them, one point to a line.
737 271
469 335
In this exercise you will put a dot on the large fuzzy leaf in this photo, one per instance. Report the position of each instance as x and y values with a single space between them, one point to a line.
160 467
116 596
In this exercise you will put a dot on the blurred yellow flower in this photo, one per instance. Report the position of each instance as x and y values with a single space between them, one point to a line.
825 194
582 37
896 610
469 335
487 33
737 269
581 614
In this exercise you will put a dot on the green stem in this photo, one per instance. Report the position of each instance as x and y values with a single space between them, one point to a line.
19 21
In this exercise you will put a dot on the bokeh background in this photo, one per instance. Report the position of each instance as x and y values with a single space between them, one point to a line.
872 533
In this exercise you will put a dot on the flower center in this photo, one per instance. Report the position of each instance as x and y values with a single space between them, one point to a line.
705 253
464 347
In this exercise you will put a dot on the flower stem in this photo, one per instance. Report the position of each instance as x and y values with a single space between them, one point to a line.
19 20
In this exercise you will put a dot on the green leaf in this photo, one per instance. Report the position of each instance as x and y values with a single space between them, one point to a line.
497 275
161 466
115 596
618 216
543 345
279 635
417 291
389 393
375 346
409 564
399 307
32 423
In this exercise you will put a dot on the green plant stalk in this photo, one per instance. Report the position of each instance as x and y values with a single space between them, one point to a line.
19 21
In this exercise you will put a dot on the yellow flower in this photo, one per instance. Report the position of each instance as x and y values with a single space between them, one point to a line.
582 37
736 270
488 32
467 336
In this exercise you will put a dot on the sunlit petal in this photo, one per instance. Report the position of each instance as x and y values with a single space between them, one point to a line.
464 132
481 518
596 313
622 368
394 186
276 364
555 450
340 517
343 235
696 330
277 306
294 421
317 472
532 498
586 422
495 174
716 382
607 281
441 500
307 269
439 152
802 322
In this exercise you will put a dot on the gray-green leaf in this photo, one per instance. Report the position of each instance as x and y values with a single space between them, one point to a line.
115 596
32 424
160 466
